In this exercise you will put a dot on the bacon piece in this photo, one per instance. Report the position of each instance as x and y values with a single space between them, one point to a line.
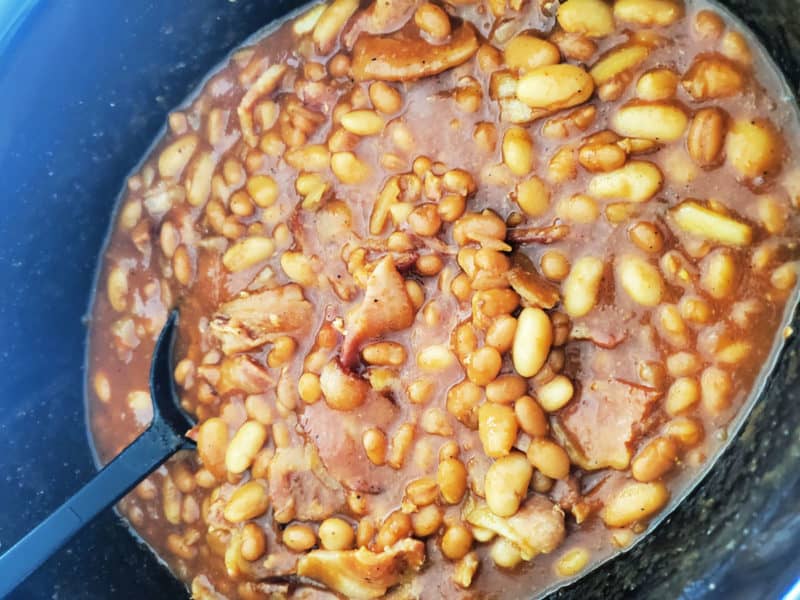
536 528
362 574
300 487
404 58
599 428
337 437
532 287
386 307
538 235
252 320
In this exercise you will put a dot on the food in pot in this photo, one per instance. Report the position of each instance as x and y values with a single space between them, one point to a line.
468 292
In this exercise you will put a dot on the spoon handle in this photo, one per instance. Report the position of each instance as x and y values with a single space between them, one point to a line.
133 464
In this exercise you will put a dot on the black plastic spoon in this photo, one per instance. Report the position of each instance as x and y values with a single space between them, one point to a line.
157 443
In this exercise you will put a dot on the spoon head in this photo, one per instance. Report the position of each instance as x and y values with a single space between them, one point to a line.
166 402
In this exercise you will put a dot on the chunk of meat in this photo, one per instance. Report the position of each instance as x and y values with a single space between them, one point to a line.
362 574
300 488
404 58
536 528
599 428
337 437
604 337
252 320
242 373
325 233
566 493
539 523
377 248
606 326
386 307
532 287
538 235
